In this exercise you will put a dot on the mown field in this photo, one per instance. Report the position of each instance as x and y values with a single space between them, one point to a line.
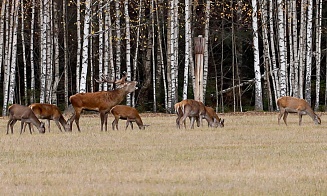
251 155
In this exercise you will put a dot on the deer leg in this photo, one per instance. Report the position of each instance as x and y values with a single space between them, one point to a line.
25 127
285 117
300 119
13 122
115 122
22 126
58 125
106 121
130 122
281 113
9 123
102 117
29 126
76 118
182 120
192 123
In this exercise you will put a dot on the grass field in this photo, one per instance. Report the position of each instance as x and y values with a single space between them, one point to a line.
251 155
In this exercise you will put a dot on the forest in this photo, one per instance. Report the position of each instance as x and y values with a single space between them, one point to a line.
254 51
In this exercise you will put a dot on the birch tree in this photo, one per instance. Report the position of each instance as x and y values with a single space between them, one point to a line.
309 54
318 49
32 96
13 61
7 55
282 49
79 44
118 39
187 46
128 48
85 48
24 52
101 42
206 50
258 88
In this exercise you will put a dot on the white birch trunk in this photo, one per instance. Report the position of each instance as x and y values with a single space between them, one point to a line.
79 45
206 49
118 40
24 52
85 48
128 49
13 64
309 54
187 47
32 97
7 56
302 41
318 50
282 49
258 88
43 64
101 43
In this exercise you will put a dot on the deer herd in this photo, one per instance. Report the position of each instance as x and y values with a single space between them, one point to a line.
106 102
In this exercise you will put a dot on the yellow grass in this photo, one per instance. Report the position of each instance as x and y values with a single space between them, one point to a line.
251 155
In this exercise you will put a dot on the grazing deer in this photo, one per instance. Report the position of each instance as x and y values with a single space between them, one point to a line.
194 110
126 113
101 101
212 113
295 105
50 112
179 112
25 115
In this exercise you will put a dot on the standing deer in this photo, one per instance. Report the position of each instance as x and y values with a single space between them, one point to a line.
126 113
50 112
193 109
25 115
295 105
101 101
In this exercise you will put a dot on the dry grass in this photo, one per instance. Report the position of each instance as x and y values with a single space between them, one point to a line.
252 155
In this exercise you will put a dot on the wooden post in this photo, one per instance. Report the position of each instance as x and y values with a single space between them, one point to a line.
198 69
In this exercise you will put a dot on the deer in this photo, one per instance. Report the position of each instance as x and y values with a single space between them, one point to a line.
101 101
128 113
50 112
289 104
212 113
25 115
194 110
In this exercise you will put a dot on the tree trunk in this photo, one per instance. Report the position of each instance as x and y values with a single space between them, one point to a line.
118 40
258 88
85 50
309 54
187 46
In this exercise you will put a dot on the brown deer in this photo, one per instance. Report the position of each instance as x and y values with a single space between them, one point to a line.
101 101
193 109
126 113
212 113
25 115
50 112
295 105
